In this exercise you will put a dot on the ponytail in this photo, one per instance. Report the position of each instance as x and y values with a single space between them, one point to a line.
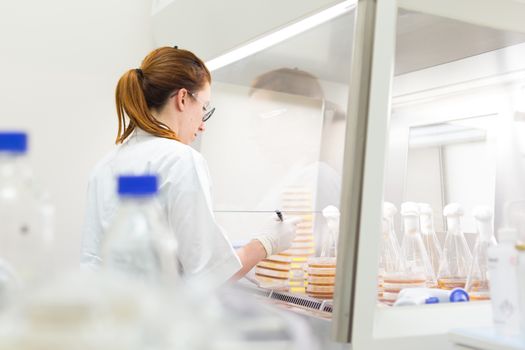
141 90
130 101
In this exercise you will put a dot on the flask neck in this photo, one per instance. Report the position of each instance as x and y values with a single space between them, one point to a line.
411 224
427 224
484 229
385 226
390 220
453 225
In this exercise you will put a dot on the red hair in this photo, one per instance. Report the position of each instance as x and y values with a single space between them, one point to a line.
139 91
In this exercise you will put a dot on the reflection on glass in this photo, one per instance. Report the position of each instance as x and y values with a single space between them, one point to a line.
276 142
279 129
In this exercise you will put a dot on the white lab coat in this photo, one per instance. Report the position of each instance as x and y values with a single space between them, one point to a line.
204 251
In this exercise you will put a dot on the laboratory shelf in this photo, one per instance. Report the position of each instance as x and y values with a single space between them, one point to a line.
485 338
425 320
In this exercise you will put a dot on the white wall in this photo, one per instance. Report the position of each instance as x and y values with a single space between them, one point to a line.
470 177
423 181
479 86
60 61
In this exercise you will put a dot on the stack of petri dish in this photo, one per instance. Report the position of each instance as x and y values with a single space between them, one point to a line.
321 277
297 200
286 270
274 272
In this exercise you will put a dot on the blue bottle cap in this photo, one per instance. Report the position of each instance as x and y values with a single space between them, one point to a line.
432 300
13 141
458 295
137 185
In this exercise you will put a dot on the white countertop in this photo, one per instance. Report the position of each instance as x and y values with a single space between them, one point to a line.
486 338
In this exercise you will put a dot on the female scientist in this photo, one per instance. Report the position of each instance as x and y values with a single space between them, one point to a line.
167 103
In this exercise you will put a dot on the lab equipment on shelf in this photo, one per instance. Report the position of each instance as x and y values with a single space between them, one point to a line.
329 244
502 268
477 284
456 258
417 262
520 247
390 259
420 296
428 233
321 270
321 277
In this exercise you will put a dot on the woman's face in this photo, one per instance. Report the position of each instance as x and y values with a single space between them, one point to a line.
192 124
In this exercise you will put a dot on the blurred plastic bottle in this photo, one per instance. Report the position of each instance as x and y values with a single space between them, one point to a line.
520 247
26 219
502 266
138 244
428 233
478 280
417 262
456 258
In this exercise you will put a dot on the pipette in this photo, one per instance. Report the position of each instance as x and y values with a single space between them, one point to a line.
270 211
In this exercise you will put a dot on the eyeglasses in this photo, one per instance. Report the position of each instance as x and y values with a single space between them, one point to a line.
206 107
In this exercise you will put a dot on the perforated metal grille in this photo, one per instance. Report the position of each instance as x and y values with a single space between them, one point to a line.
327 308
297 300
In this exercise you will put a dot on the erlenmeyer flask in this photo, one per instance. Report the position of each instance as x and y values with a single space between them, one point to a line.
417 262
428 234
391 265
389 256
456 258
477 284
329 244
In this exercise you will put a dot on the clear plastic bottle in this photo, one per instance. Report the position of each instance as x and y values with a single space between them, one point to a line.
477 284
417 262
27 232
520 248
428 233
503 267
138 244
456 258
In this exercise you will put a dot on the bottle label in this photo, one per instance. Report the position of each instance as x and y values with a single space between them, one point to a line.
503 287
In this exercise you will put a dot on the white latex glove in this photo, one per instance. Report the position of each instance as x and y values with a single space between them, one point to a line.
277 236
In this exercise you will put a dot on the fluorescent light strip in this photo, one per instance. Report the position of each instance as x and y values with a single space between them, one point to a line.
281 35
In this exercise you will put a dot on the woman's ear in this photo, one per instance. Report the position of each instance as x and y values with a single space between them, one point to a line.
181 99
